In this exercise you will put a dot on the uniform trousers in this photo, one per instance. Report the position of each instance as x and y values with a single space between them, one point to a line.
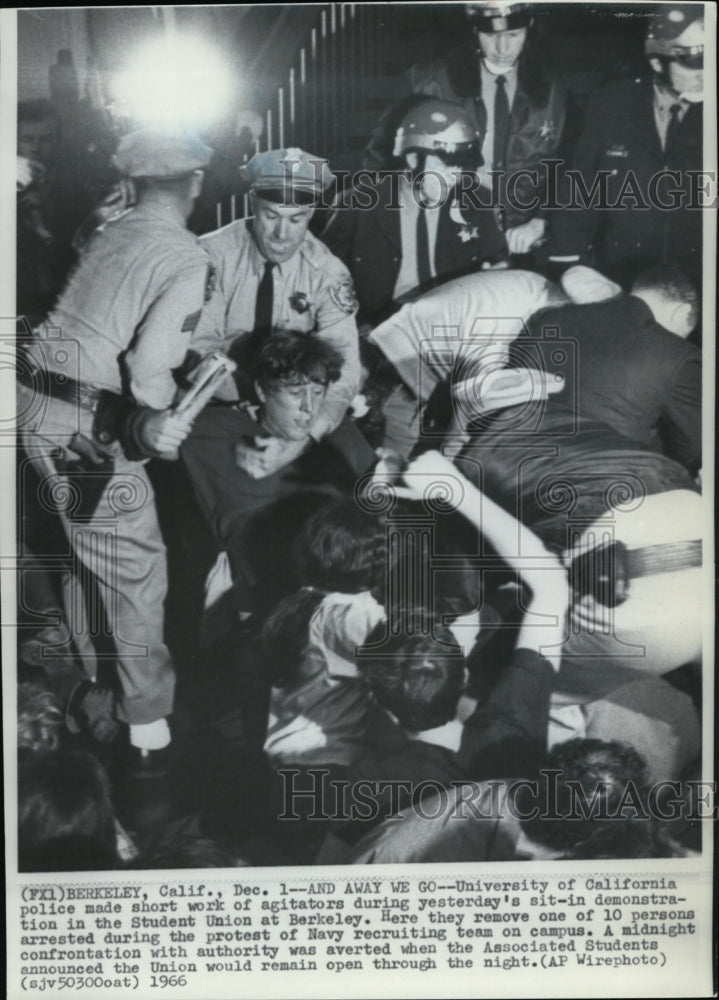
109 516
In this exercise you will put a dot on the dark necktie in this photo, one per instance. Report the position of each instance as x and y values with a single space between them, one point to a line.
263 303
673 126
424 270
501 122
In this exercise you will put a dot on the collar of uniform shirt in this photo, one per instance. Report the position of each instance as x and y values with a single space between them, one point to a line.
157 213
489 78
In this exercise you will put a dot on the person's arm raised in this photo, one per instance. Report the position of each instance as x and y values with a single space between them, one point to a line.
517 544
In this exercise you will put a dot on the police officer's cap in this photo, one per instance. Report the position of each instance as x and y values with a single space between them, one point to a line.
288 176
495 15
161 154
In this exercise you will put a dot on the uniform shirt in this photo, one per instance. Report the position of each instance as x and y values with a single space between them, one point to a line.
470 321
127 311
312 292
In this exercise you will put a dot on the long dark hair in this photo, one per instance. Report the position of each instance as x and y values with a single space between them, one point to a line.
342 548
418 675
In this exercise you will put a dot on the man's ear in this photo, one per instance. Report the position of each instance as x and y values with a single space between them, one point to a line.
656 65
260 392
682 319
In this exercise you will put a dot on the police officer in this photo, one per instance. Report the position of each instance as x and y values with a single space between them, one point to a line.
644 137
502 82
273 273
94 400
442 229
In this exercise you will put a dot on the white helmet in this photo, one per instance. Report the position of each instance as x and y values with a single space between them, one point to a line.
677 32
439 127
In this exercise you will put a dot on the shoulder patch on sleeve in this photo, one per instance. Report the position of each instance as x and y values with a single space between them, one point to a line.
342 293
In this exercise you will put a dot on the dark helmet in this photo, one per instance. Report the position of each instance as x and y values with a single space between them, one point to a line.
677 32
497 15
442 128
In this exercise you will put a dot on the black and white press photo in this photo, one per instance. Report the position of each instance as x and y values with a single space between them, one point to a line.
359 489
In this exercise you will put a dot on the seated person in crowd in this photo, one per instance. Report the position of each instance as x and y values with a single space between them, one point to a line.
65 813
270 272
422 222
291 373
602 788
416 672
318 707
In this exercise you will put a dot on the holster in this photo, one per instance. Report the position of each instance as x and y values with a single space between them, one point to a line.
110 417
117 419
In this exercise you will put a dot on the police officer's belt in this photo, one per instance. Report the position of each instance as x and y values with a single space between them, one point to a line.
55 385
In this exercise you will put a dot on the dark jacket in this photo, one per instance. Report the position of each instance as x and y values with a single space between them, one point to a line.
535 126
368 241
620 137
628 373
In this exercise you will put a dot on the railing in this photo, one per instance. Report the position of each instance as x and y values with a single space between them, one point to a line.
324 90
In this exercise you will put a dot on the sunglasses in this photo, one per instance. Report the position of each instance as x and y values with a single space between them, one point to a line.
689 58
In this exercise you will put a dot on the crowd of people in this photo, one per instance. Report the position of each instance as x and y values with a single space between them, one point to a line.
337 524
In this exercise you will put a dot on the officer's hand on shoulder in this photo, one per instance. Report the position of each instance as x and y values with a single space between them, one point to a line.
262 456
